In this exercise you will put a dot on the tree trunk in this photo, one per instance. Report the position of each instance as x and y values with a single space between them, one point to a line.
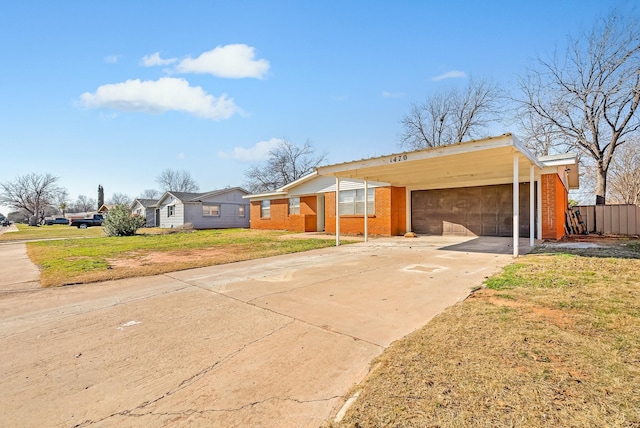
601 185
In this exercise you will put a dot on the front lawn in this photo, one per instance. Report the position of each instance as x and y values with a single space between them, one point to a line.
74 261
55 231
554 341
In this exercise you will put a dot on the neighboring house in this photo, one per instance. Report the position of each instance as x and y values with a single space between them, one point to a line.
461 189
104 209
146 208
218 209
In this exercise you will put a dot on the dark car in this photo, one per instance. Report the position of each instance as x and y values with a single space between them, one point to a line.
83 223
57 220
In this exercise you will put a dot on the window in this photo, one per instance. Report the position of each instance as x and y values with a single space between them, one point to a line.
241 211
211 210
294 206
352 202
171 210
265 209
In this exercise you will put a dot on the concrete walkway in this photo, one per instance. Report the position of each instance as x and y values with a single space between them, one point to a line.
274 342
17 272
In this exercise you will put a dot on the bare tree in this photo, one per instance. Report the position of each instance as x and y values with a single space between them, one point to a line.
176 181
62 201
286 163
150 194
84 204
588 97
624 179
31 193
451 116
120 199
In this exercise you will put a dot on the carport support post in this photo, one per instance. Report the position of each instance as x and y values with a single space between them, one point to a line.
516 206
366 211
337 211
532 207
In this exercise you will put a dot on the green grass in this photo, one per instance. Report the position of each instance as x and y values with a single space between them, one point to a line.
87 260
56 231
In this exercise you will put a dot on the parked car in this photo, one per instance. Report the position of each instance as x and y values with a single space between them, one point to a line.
83 223
6 223
56 220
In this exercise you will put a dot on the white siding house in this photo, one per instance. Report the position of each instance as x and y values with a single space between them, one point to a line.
218 209
145 208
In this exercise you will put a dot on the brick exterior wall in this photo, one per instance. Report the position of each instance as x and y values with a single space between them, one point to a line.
280 219
389 218
555 200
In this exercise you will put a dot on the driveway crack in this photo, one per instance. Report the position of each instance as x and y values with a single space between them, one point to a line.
186 382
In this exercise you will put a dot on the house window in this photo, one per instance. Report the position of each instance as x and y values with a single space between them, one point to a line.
241 211
171 210
352 202
211 210
294 206
265 209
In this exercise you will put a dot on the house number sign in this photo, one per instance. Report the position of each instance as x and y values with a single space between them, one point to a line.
397 158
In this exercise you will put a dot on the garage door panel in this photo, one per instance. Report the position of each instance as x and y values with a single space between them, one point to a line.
486 211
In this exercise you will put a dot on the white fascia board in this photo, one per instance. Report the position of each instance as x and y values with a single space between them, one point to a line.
559 160
262 196
504 140
525 151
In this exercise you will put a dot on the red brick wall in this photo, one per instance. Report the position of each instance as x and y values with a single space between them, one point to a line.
389 218
398 210
280 218
555 200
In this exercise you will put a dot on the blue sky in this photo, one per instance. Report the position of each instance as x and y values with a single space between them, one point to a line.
114 92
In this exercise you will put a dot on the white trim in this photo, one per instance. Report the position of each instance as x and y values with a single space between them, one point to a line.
532 207
505 140
337 211
366 211
516 206
539 207
407 209
300 180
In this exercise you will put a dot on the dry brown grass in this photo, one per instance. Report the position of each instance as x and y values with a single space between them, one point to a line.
555 344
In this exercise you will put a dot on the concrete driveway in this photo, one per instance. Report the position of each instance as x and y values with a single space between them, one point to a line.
276 342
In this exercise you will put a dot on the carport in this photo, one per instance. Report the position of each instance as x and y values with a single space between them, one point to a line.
475 171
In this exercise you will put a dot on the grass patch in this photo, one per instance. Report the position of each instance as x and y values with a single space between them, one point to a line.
89 260
55 231
560 348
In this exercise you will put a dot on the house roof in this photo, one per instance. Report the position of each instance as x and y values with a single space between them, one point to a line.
146 203
105 207
197 197
473 163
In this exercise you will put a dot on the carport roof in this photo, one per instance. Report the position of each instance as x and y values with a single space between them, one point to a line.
474 163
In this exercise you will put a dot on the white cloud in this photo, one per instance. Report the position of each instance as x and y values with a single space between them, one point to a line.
257 153
112 59
155 60
157 96
180 156
387 94
453 74
231 61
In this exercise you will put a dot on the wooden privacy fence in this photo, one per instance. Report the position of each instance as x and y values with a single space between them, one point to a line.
611 219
